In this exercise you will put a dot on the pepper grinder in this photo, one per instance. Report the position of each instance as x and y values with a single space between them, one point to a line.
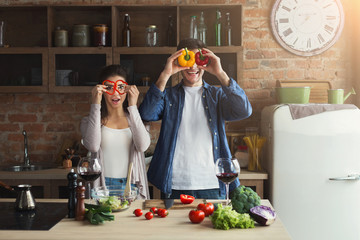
72 179
80 204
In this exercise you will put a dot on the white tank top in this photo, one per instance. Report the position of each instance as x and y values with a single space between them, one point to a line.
193 165
115 144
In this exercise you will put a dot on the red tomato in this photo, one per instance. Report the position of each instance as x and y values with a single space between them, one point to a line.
196 216
208 208
154 210
138 212
186 199
163 212
149 215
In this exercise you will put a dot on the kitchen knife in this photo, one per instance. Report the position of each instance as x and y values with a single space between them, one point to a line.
168 203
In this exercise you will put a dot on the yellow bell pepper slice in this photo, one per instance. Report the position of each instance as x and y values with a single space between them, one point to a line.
187 58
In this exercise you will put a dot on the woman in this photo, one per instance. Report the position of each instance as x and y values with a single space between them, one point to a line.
116 132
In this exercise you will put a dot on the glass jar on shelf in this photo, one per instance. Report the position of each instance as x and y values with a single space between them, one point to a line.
151 36
100 35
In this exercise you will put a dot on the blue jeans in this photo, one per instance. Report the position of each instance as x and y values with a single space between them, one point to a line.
116 183
203 194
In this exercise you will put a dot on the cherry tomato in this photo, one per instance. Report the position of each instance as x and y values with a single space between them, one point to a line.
154 210
138 212
196 216
207 208
149 215
186 199
163 212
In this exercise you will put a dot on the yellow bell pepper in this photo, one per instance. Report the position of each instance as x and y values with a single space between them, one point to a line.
187 58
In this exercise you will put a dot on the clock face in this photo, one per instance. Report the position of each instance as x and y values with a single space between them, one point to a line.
307 27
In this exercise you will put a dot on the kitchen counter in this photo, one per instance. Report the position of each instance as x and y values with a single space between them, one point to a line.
52 173
127 226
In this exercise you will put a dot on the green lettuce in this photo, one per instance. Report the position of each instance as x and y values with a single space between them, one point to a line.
226 218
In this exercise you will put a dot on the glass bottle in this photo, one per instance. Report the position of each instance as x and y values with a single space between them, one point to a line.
218 28
126 32
193 28
151 36
202 28
171 40
227 31
2 30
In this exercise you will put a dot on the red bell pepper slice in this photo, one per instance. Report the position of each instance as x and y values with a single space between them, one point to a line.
200 59
186 199
115 86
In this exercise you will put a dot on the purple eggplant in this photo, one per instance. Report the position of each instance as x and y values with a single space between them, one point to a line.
263 215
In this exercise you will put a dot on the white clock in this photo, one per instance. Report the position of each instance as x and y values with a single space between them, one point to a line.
307 27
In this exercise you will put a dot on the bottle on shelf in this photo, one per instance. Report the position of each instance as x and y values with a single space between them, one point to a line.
202 28
193 28
126 32
218 28
171 36
227 31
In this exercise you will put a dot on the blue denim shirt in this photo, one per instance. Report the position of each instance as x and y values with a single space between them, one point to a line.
221 104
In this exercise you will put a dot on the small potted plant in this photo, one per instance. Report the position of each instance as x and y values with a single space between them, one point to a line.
69 153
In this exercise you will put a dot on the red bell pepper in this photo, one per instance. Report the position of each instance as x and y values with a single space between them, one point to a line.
115 86
200 59
186 199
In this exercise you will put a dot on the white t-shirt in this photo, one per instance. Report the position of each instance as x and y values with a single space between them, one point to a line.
115 144
193 164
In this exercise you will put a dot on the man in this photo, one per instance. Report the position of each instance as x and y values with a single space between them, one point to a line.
192 134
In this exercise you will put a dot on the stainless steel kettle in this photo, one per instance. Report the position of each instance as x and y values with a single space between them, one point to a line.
24 200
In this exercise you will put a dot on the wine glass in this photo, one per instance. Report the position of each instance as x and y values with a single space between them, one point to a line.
227 170
89 169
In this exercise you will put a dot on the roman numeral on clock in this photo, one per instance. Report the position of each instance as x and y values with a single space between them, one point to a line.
308 43
320 38
283 20
286 8
328 29
287 32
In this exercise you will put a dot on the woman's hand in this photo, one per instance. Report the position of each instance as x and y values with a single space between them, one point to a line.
97 93
132 94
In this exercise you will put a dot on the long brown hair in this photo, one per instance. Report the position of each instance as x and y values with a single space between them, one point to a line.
107 72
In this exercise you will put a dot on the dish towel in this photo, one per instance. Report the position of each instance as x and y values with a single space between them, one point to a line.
305 110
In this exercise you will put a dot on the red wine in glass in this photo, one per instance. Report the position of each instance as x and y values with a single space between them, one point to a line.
227 177
90 176
89 169
227 170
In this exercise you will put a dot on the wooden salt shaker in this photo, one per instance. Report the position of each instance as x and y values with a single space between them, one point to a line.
80 205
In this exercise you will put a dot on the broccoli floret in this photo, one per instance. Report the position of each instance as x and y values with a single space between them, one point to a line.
243 199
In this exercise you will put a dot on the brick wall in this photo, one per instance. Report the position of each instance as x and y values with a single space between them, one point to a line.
51 119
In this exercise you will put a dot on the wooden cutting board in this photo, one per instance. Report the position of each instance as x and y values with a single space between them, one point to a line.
318 93
159 203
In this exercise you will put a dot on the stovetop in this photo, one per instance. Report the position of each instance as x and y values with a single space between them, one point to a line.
43 217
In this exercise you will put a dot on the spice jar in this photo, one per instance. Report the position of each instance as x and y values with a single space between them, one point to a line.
100 35
60 37
151 36
81 35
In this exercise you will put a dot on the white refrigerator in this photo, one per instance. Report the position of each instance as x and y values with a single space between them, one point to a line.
313 165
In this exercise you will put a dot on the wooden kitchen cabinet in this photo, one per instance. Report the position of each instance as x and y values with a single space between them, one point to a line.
29 36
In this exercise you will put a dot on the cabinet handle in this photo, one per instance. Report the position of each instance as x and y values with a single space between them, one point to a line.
349 177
